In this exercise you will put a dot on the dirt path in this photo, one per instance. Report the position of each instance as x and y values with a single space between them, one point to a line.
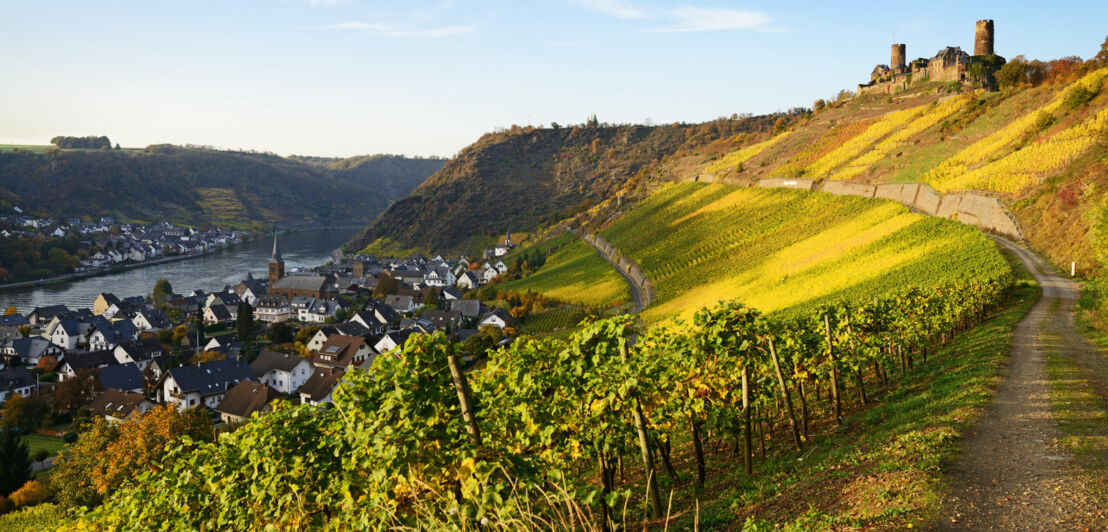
1012 475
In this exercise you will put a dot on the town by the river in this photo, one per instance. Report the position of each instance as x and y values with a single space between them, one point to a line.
209 272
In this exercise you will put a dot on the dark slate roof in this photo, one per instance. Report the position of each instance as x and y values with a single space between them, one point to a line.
90 360
322 381
121 377
301 282
116 403
143 349
350 328
383 311
157 318
18 377
220 312
461 335
210 378
442 319
501 313
49 311
245 398
30 347
14 320
470 308
271 360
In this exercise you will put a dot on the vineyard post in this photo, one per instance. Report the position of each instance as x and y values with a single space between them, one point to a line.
699 449
648 461
857 369
463 397
836 406
785 394
747 460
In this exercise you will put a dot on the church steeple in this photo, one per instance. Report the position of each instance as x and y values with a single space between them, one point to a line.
276 264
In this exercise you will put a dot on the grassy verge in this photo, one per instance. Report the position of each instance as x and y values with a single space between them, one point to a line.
1081 416
52 444
882 469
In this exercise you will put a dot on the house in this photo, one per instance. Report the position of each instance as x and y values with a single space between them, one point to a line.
125 377
217 314
468 281
243 399
203 384
16 380
443 320
413 278
449 293
40 316
273 308
13 320
117 406
392 339
317 286
107 334
340 351
500 267
440 276
102 302
230 300
384 313
65 334
285 373
488 274
73 363
317 311
371 321
151 320
30 350
319 387
401 303
469 308
497 317
141 352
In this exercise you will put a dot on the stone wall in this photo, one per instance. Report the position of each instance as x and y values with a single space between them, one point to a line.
803 184
624 265
973 208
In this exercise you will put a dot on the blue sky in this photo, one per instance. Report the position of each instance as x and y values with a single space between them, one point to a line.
345 77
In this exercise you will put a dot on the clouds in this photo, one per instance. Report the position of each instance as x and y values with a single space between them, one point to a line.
389 30
682 19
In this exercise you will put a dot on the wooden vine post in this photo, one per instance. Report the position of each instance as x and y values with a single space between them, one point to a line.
836 406
644 446
785 393
857 370
747 448
462 388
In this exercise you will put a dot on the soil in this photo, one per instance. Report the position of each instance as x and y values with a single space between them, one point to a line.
1012 474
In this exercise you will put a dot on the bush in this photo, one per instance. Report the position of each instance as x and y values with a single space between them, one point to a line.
32 493
5 505
70 437
1078 96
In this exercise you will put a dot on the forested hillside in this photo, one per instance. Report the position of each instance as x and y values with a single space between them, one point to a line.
523 178
392 175
194 185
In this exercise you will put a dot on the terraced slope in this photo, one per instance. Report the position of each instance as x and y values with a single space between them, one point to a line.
786 250
576 274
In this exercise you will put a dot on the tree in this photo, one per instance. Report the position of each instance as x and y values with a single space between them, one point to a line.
23 413
246 322
1101 57
104 458
179 332
41 455
280 333
209 356
47 363
15 462
162 288
386 284
30 494
304 335
78 391
11 311
1012 74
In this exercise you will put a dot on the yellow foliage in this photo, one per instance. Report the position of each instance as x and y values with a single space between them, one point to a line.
851 148
742 155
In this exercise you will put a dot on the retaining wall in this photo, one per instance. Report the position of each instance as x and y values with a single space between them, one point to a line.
625 265
973 208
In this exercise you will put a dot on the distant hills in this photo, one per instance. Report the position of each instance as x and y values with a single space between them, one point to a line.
193 185
524 178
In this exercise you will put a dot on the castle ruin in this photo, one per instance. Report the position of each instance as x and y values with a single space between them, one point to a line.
949 64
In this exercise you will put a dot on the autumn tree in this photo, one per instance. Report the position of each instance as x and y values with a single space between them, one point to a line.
23 413
77 391
15 462
162 288
209 356
106 457
47 363
11 311
386 284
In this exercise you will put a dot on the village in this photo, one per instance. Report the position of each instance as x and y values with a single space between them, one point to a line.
207 350
98 246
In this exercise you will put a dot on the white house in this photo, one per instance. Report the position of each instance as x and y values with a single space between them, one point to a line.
497 318
16 380
318 388
65 334
468 281
204 384
285 373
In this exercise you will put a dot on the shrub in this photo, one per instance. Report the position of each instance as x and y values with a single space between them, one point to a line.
32 493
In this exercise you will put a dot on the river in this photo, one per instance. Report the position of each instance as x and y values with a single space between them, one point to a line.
209 272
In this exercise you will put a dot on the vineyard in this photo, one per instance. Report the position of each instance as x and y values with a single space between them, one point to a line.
554 320
830 140
737 157
584 433
577 274
785 251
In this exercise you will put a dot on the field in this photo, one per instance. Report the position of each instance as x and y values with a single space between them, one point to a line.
52 444
785 251
222 204
575 274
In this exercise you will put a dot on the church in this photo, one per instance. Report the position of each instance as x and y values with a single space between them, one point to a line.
290 286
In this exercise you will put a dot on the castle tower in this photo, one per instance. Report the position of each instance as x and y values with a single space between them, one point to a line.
276 264
983 38
897 61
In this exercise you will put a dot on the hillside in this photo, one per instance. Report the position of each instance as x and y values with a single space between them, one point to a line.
394 176
194 185
525 178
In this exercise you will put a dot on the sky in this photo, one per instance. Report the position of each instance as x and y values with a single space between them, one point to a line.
414 77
